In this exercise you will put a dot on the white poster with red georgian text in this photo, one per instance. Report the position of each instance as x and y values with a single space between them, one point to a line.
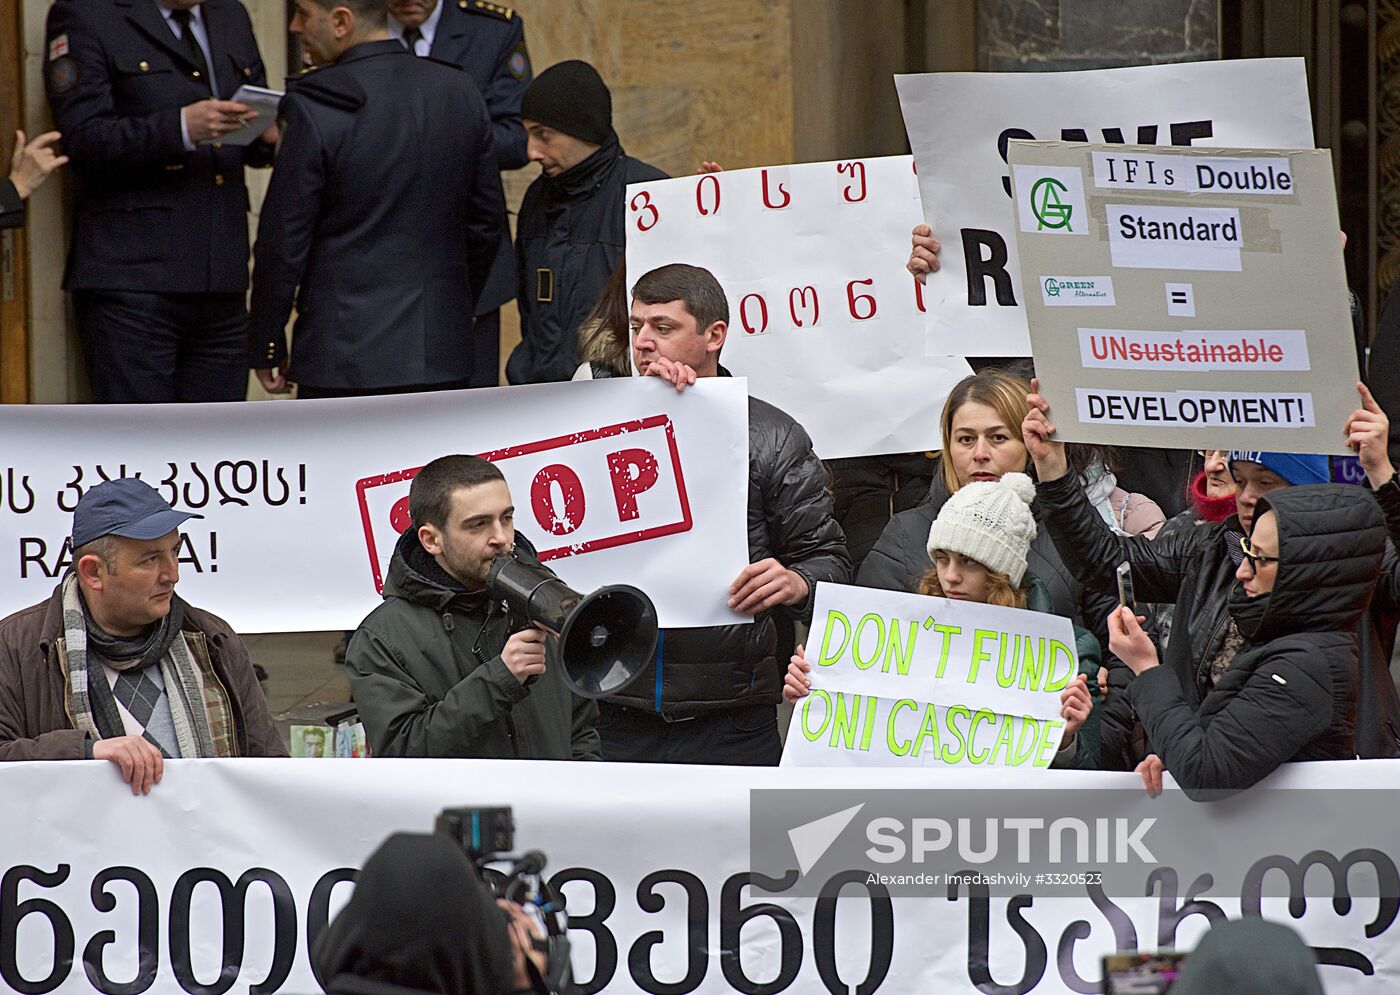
824 319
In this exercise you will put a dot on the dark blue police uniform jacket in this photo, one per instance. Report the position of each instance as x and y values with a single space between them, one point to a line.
488 42
381 219
150 216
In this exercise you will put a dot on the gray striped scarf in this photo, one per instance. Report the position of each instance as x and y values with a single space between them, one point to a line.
199 706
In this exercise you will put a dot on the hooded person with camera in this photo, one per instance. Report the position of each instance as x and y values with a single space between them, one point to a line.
422 921
436 670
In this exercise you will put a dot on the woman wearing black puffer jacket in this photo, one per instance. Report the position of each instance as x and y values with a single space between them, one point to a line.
1310 565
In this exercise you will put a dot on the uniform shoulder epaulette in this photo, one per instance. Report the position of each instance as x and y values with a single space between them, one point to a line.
326 86
487 7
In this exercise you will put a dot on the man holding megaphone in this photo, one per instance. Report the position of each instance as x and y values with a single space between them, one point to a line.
445 667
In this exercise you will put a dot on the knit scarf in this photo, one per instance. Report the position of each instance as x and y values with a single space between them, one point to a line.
1099 486
199 706
1207 508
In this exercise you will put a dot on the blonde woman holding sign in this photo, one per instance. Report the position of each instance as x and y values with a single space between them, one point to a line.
978 546
981 429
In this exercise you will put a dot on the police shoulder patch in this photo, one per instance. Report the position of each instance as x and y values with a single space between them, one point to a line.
62 74
518 62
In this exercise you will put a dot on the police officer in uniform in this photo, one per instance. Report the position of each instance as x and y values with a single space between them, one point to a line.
381 219
488 41
158 265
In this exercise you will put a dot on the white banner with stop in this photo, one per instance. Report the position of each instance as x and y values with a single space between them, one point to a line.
614 481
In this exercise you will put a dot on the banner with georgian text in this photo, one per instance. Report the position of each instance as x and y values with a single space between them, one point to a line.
614 481
223 876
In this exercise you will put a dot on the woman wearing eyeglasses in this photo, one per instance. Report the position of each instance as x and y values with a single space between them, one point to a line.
1309 566
1195 570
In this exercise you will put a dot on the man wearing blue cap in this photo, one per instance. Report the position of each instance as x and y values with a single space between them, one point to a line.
115 666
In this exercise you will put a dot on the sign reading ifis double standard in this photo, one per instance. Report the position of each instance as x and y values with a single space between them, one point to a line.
959 126
1186 299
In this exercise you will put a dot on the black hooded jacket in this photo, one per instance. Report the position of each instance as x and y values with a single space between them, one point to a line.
419 921
426 673
1290 692
569 235
1193 569
790 519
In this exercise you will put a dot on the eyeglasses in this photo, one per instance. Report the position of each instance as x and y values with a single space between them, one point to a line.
1255 559
1208 453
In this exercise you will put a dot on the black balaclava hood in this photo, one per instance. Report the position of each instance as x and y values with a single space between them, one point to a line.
420 919
1249 957
1331 541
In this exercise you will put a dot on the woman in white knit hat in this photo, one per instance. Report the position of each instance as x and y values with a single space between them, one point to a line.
978 545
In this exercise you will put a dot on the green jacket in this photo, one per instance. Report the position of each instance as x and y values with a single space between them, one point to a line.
417 676
1085 752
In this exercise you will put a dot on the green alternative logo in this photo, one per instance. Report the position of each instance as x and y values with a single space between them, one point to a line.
1049 210
1052 286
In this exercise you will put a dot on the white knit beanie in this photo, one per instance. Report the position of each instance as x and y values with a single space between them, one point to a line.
990 522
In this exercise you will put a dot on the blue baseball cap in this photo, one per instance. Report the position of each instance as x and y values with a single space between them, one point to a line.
126 507
1296 468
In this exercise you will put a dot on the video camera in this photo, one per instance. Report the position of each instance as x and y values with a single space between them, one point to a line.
488 837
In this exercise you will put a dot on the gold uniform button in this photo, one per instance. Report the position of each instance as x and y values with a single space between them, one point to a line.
144 66
194 74
219 180
218 145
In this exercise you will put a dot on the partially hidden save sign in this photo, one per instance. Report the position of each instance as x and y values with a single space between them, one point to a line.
904 680
1186 298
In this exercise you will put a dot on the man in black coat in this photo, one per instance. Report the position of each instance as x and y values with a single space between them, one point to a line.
381 220
710 695
570 233
488 42
158 265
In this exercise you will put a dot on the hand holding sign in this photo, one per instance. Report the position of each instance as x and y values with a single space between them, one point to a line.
1367 433
676 374
140 762
1150 770
1075 704
1037 433
923 257
765 584
797 684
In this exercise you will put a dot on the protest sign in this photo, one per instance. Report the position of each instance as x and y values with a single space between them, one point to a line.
824 319
223 877
303 502
911 681
1204 307
959 125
